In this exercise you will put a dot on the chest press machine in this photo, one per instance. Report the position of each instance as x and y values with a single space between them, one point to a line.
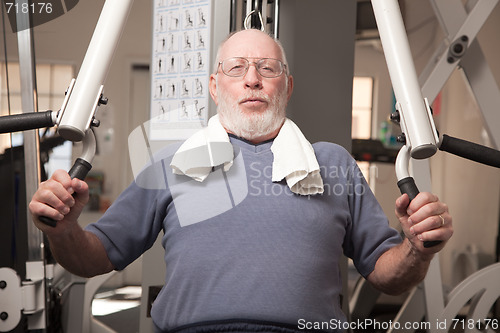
413 113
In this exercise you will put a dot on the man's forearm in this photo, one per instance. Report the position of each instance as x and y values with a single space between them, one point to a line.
399 269
80 252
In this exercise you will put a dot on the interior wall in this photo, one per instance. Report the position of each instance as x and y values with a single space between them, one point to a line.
318 36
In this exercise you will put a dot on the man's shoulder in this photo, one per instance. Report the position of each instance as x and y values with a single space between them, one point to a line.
329 148
332 154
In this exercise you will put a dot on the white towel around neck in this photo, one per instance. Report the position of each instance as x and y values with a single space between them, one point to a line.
294 157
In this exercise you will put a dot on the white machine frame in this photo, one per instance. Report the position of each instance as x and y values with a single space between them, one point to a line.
74 122
481 289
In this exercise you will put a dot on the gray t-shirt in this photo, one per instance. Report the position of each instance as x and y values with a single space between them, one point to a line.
239 246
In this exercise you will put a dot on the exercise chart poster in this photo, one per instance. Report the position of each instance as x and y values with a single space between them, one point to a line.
180 68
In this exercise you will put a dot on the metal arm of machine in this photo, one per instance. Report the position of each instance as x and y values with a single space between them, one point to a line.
75 118
415 116
84 94
419 132
413 111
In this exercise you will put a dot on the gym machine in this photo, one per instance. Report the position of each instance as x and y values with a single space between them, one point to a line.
421 141
74 121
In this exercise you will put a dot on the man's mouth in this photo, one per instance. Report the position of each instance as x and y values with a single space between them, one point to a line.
253 101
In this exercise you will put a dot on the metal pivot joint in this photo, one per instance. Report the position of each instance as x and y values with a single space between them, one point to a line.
72 126
457 49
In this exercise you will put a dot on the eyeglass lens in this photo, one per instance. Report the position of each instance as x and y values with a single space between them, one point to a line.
266 67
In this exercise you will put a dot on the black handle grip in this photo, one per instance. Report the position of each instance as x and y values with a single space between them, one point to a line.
26 121
48 221
471 151
79 170
407 185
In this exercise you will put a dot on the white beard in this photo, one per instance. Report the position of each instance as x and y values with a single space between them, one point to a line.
252 125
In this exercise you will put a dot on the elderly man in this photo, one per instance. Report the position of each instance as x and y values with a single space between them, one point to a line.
265 257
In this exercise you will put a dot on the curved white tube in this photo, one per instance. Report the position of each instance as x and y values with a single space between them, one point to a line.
402 163
89 146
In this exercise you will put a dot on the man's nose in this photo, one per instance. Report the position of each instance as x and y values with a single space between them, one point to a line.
252 77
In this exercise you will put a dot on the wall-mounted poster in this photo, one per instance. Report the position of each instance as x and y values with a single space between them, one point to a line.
180 68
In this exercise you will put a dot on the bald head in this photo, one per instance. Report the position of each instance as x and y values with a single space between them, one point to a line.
248 41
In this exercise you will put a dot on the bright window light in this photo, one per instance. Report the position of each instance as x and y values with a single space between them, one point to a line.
362 101
362 104
52 80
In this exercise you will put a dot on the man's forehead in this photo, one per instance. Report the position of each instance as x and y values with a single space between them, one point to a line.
250 43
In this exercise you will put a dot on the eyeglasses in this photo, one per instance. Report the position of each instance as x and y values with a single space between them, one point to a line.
267 67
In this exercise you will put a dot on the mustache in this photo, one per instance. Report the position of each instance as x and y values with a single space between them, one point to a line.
254 95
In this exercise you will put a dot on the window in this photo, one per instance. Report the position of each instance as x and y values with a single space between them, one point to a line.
362 102
52 82
362 97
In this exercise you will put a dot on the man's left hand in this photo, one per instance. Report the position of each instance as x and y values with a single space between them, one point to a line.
424 219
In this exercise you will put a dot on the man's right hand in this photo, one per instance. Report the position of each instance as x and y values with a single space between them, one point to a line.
77 250
59 198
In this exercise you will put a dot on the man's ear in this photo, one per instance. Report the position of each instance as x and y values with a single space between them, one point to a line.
290 87
212 86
